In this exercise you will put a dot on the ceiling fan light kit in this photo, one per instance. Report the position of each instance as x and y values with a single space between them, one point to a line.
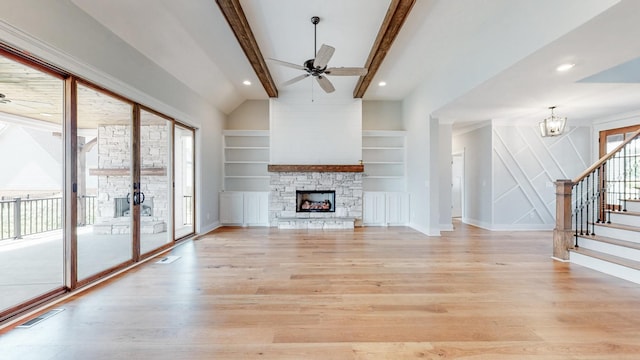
317 67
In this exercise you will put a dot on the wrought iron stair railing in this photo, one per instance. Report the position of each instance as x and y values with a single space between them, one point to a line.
590 198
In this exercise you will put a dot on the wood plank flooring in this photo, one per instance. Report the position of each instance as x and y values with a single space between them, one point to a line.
372 293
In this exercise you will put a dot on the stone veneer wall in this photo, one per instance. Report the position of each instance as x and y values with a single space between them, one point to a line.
347 185
114 152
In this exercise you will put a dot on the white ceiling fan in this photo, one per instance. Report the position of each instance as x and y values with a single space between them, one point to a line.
317 67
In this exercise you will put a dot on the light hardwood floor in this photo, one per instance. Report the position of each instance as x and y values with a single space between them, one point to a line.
372 293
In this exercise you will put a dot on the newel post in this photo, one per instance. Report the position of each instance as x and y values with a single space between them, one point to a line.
563 233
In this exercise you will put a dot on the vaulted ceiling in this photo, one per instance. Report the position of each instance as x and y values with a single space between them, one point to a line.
472 60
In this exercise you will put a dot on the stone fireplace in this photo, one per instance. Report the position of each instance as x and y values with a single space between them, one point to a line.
288 182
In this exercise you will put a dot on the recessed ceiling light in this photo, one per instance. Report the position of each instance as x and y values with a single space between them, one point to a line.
247 82
565 67
382 83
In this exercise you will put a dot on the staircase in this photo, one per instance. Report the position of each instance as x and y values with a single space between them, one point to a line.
615 247
598 214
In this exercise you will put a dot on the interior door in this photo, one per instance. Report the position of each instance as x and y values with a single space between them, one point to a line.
457 179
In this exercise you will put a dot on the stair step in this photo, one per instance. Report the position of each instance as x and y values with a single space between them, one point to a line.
608 258
610 246
612 241
633 205
630 218
618 231
612 265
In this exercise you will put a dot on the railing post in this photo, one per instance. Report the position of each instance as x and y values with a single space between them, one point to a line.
563 232
16 218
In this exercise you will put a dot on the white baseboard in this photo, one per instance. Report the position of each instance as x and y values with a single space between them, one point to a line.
508 227
446 227
209 228
424 230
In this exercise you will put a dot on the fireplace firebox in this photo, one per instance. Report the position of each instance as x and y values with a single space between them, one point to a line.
315 200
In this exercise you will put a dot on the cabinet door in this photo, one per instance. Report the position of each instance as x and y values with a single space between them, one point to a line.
231 207
397 208
374 208
256 208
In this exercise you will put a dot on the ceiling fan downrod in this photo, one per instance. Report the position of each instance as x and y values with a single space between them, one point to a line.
315 20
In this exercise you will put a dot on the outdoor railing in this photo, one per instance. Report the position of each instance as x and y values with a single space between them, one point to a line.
187 210
21 217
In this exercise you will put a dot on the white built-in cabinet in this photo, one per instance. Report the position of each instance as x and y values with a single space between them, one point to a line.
246 208
246 156
245 199
381 208
385 199
383 155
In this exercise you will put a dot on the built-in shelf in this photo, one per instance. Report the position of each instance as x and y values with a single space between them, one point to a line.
383 154
246 155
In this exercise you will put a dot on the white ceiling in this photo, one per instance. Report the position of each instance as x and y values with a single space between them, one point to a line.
475 59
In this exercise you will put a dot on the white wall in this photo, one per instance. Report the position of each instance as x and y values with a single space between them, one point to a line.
320 132
63 35
445 160
525 165
510 170
250 115
382 115
416 122
461 69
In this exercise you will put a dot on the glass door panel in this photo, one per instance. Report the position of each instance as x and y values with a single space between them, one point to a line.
184 204
155 199
31 183
620 187
104 182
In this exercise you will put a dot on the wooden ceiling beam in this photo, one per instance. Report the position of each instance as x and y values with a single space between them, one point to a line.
232 11
393 21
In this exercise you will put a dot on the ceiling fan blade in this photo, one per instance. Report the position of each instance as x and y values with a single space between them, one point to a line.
325 84
323 56
295 79
287 64
346 71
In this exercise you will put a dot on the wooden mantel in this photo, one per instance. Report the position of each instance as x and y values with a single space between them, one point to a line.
127 171
315 168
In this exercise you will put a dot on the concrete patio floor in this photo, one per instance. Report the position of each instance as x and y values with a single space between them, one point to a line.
33 265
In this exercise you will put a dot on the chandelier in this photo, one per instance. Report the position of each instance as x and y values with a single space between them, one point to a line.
553 125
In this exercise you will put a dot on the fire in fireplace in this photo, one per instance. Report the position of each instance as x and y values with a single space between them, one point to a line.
315 200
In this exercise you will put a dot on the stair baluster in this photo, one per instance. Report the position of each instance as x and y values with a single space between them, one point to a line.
604 188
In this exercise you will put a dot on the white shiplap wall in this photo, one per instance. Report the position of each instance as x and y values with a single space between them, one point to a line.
316 132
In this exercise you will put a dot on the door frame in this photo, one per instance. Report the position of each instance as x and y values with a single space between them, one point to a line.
458 155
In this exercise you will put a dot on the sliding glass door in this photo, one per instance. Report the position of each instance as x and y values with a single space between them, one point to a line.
156 225
31 184
104 191
92 182
184 203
